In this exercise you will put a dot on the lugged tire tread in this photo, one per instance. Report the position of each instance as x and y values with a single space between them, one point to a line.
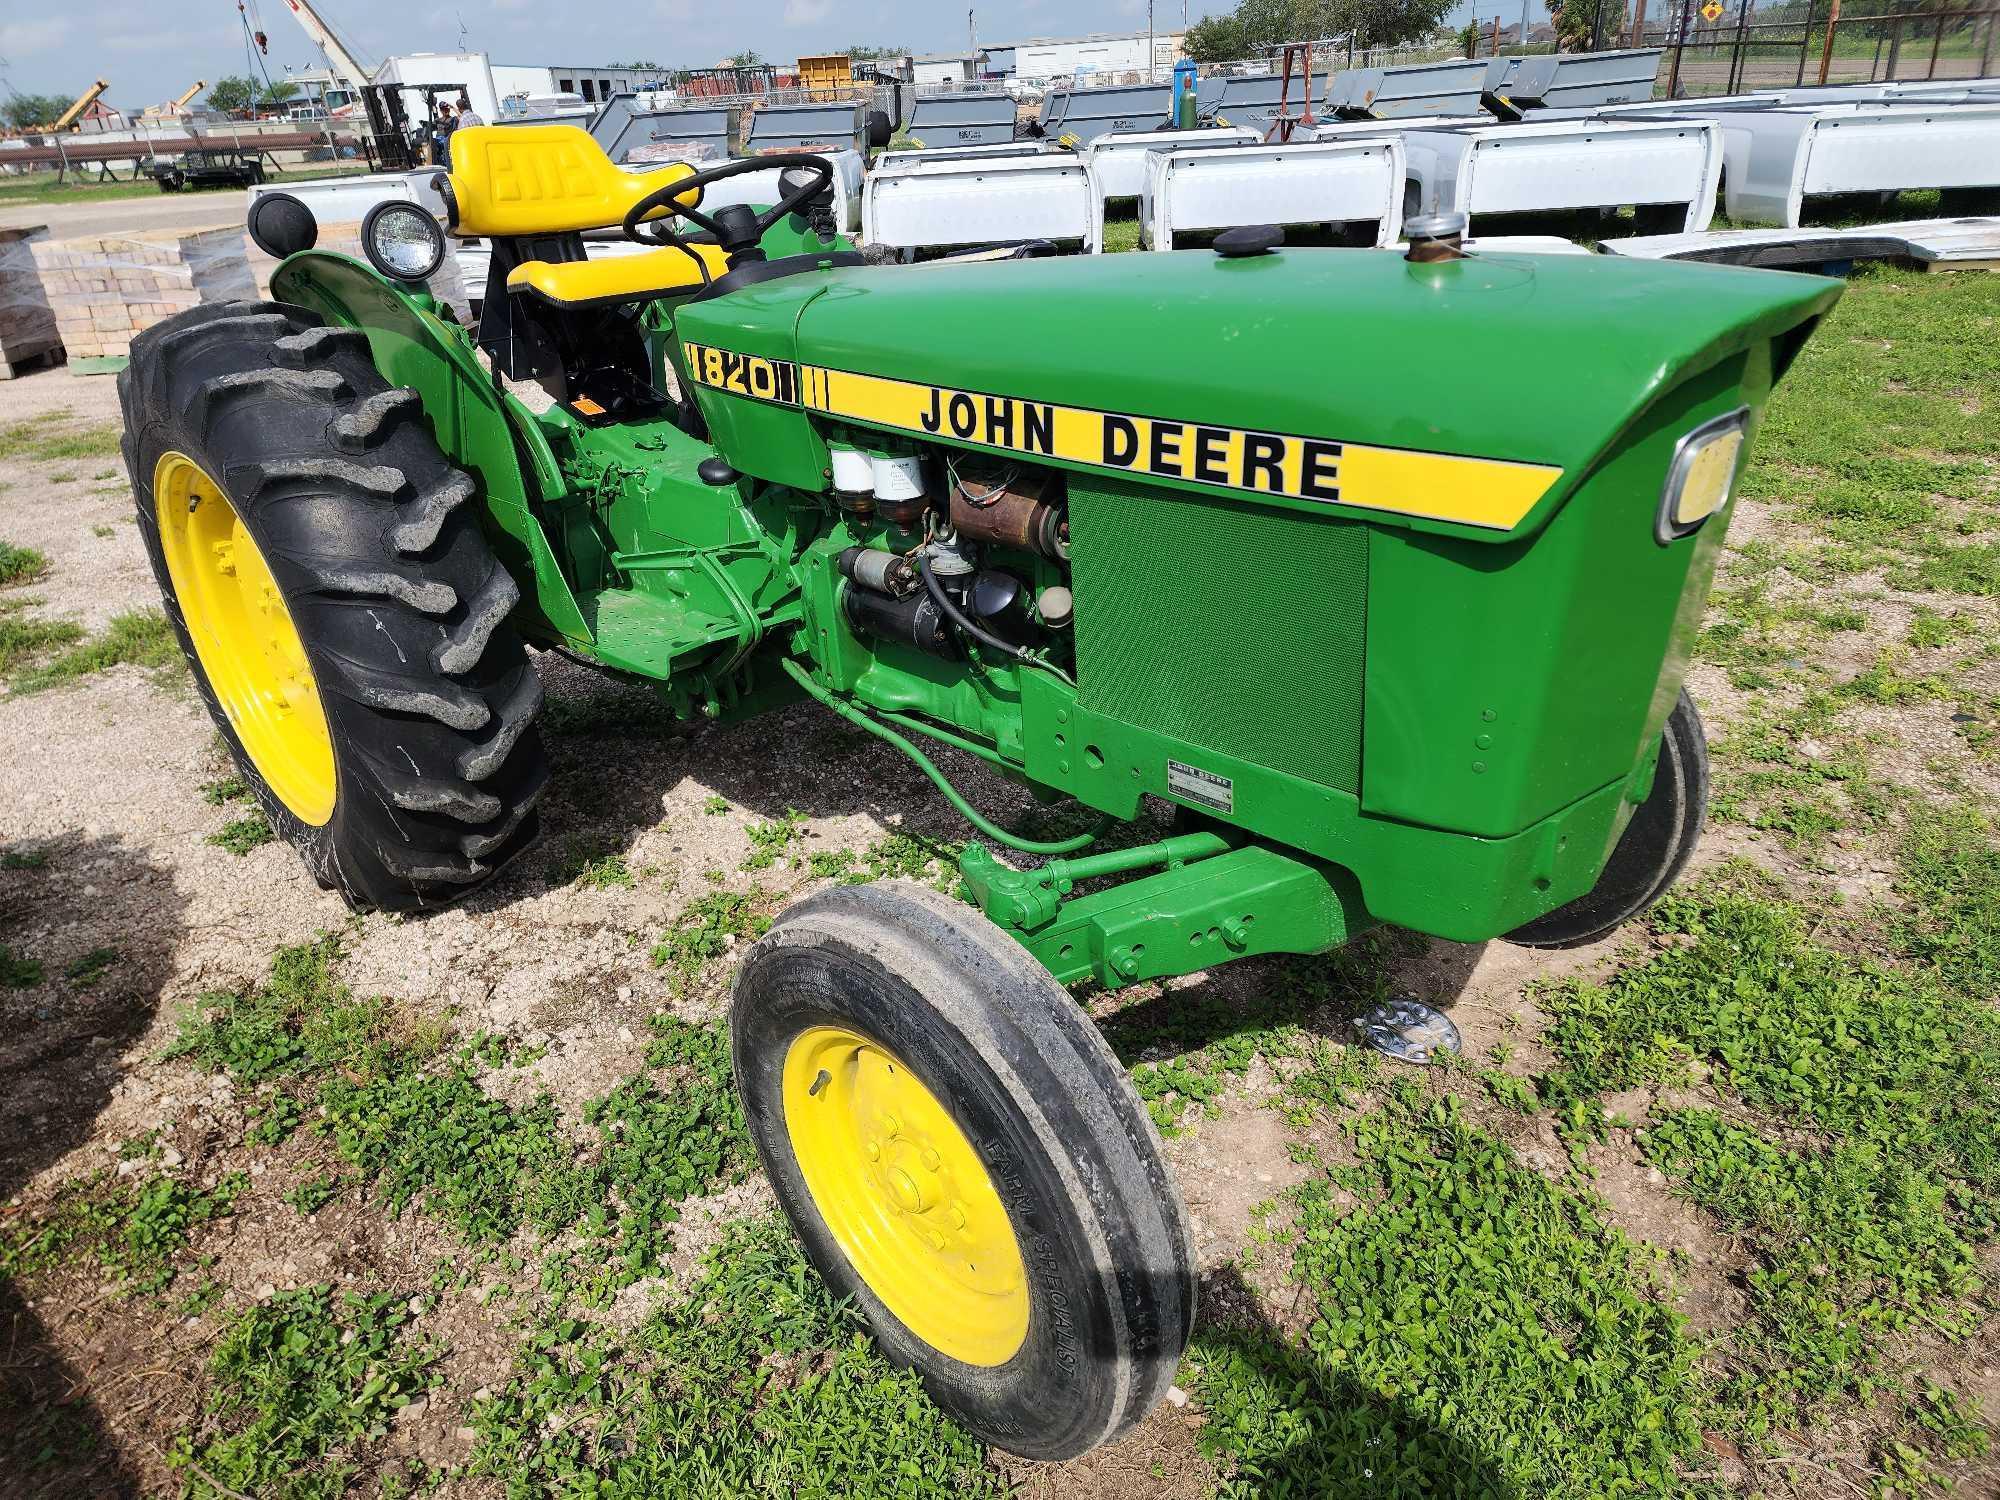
429 694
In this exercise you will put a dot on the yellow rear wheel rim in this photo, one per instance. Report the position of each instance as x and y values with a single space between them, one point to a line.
905 1196
249 648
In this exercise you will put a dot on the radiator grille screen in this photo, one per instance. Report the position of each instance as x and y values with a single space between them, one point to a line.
1231 626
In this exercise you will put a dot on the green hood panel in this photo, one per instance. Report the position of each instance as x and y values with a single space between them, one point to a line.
1529 359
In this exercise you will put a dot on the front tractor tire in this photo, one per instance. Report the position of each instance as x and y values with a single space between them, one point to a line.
342 614
962 1155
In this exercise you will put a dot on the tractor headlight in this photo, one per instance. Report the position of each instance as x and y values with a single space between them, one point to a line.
1701 476
402 240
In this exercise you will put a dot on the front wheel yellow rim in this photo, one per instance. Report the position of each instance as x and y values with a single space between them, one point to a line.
243 633
905 1196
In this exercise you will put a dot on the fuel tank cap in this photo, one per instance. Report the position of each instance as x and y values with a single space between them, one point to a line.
1250 239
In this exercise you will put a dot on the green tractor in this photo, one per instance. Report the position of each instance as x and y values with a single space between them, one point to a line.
1384 571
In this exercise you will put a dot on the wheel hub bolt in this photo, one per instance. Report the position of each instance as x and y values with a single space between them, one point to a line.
931 1158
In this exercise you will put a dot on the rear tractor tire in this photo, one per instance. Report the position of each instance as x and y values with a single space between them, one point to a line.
962 1155
342 614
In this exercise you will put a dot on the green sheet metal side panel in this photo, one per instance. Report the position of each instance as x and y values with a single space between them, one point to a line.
472 422
1504 682
1230 626
773 441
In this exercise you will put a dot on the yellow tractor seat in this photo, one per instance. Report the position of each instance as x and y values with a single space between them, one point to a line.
514 180
624 278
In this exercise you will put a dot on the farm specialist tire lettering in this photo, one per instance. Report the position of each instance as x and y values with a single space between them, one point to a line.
371 544
1054 1122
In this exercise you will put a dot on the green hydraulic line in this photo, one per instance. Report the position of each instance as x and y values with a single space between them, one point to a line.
964 809
956 741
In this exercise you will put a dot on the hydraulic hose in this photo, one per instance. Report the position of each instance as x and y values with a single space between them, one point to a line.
964 809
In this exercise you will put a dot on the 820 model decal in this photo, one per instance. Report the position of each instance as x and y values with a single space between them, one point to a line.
1492 493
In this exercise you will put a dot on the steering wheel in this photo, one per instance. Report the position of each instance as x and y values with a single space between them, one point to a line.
737 229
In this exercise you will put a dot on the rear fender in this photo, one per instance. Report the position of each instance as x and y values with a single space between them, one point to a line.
482 430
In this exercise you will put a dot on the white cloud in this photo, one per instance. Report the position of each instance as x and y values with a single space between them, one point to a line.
20 39
807 12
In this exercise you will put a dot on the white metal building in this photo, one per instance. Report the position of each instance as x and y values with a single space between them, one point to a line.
1107 52
944 68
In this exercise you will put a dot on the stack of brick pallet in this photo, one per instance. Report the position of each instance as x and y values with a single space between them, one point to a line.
104 289
28 336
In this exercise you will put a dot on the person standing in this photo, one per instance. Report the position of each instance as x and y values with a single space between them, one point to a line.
466 114
441 129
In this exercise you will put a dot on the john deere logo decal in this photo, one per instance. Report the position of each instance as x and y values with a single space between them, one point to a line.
1482 492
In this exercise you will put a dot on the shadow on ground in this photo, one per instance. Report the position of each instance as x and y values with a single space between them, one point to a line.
1287 1426
94 903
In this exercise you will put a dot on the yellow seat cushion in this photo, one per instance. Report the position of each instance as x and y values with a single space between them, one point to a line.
543 179
623 278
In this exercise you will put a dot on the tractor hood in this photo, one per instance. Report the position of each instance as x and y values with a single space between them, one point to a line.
1532 366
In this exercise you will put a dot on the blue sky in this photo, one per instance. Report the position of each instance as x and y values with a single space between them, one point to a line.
152 49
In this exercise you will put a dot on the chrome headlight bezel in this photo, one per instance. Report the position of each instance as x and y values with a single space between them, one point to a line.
394 226
1696 489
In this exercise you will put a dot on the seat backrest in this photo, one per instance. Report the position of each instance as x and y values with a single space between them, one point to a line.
543 179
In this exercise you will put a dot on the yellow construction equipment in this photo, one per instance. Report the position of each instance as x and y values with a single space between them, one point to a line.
83 101
826 77
199 85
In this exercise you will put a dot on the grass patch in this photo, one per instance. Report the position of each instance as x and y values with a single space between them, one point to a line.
21 564
1856 1154
770 842
131 1229
1950 880
303 1387
709 928
592 867
24 859
754 1383
17 970
22 641
40 440
1882 437
1474 1330
241 835
85 970
407 1110
140 637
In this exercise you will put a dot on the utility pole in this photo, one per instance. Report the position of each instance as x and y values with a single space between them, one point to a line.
1152 57
1524 27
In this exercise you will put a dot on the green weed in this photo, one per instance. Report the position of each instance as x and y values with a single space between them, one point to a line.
17 970
241 835
22 641
24 859
139 637
769 842
754 1383
1474 1331
594 871
1889 408
707 930
85 970
302 1386
20 564
1950 882
1867 1167
132 1229
224 790
37 440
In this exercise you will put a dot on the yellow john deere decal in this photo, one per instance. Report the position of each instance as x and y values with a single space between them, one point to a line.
1487 492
